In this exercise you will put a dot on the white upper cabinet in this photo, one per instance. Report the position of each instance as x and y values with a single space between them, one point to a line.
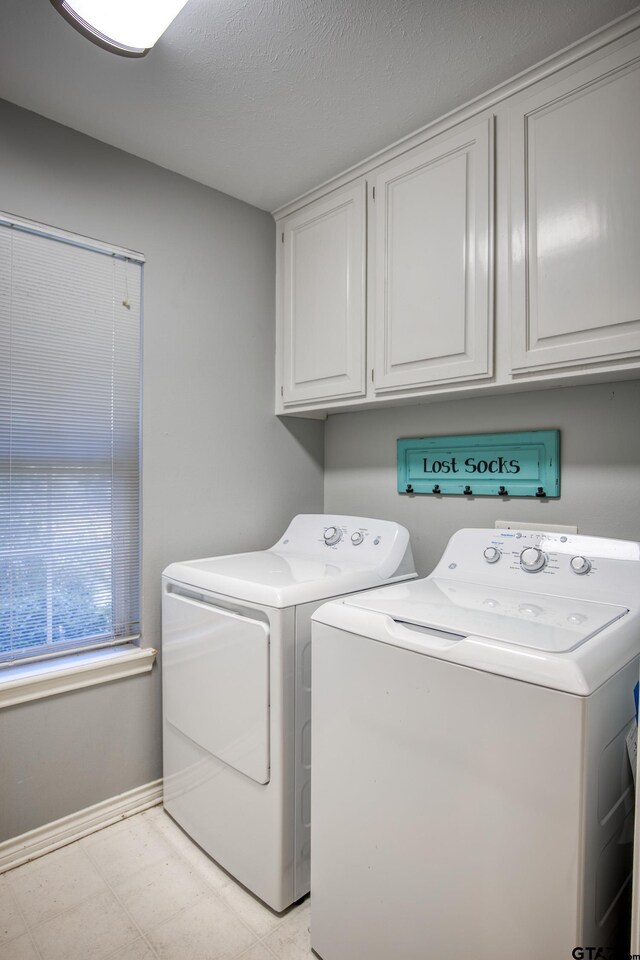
431 290
575 217
323 299
536 187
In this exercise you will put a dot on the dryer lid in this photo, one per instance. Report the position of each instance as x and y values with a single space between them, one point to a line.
274 579
522 619
319 556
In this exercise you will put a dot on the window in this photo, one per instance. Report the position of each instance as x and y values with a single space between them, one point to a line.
69 442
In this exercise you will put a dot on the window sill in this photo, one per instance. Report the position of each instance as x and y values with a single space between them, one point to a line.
33 681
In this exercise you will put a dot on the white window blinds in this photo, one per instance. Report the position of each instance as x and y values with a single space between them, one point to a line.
69 442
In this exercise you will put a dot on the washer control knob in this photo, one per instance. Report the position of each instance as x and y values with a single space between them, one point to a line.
580 565
491 554
532 559
332 535
357 538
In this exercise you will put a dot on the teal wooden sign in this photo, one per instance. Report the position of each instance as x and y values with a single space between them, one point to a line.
482 465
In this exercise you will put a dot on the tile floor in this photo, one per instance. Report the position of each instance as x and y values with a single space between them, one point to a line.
140 890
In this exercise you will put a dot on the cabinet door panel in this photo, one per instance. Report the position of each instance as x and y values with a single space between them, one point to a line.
575 211
433 233
324 301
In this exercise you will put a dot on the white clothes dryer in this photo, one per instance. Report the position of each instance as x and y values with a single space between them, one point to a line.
236 670
472 794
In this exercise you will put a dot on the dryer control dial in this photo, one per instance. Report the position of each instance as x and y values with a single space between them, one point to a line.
491 554
332 536
580 565
532 559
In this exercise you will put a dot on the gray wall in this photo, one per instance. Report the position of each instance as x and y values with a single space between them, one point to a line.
600 463
221 473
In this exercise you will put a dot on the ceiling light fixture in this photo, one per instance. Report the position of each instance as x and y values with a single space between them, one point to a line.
127 27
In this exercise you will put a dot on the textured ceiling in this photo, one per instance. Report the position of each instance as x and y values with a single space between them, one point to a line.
264 99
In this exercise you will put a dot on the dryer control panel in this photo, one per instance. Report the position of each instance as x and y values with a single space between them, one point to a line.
358 538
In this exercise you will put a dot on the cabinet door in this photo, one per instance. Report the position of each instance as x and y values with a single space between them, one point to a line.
575 218
324 298
434 262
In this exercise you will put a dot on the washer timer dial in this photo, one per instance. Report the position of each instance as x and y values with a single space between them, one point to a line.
532 559
332 536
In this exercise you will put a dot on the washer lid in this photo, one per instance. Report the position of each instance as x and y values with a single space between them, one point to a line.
537 621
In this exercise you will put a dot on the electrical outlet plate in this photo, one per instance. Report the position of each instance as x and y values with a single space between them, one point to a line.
519 525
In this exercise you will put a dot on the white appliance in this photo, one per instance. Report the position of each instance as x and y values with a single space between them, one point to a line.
635 899
236 637
472 794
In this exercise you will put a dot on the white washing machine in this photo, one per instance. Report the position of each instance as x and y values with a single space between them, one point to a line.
472 794
236 670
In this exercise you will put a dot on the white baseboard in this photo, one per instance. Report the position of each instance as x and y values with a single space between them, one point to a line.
49 837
